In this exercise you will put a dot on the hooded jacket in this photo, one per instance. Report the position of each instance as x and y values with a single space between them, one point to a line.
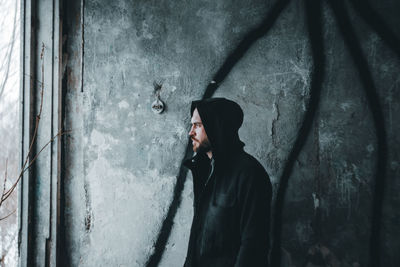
232 196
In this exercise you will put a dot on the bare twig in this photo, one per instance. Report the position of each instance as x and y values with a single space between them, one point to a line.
29 160
5 217
38 115
9 52
9 191
4 184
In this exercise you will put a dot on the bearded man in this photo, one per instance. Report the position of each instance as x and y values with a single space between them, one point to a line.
232 191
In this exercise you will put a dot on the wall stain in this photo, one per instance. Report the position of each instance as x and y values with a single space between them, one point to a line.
88 212
273 127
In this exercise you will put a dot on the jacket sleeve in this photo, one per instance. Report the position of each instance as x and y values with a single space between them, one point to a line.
254 198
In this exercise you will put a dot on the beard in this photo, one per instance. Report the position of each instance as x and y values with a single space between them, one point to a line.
203 147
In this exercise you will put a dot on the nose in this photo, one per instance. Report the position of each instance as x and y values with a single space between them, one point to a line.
191 132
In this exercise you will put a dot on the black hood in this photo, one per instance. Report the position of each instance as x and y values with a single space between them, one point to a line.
221 119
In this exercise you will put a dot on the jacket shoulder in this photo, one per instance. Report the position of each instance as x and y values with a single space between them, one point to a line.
248 170
251 176
246 163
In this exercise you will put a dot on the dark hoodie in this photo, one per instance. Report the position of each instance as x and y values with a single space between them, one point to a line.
232 200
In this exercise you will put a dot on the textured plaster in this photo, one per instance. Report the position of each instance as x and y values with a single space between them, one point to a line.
122 159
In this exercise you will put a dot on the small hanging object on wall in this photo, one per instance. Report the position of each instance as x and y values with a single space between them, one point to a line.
157 106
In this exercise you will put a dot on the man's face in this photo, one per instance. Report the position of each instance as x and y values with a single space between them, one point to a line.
198 134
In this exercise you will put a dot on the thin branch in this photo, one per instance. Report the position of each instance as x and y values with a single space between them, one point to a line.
9 52
3 218
9 191
7 194
29 159
4 184
39 114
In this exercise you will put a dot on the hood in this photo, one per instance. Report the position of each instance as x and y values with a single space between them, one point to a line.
221 119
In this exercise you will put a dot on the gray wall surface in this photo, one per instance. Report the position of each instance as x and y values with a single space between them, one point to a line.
122 160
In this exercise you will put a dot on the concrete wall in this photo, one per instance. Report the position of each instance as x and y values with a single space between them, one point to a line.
122 160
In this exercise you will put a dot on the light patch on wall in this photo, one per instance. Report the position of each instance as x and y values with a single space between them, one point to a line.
181 131
302 72
345 106
329 141
347 185
145 30
171 74
370 149
219 25
303 231
305 78
136 95
101 141
106 118
123 200
123 104
98 139
316 200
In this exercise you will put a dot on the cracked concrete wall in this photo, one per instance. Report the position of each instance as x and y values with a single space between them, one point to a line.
122 159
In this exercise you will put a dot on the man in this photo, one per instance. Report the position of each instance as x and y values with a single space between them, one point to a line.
232 191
